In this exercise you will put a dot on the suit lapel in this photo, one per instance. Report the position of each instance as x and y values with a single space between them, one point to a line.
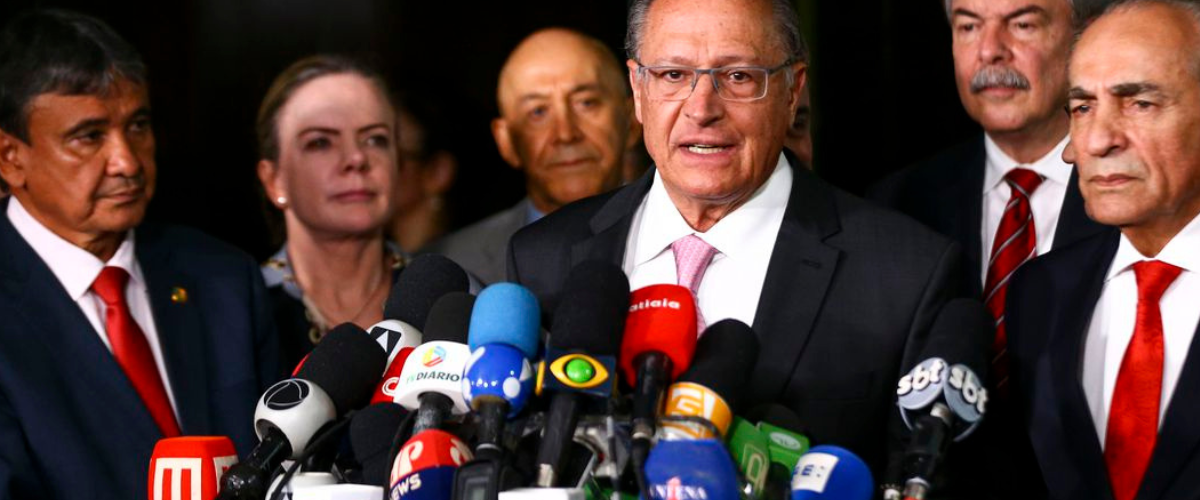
798 277
50 316
967 213
610 225
180 329
1073 222
1080 295
1179 436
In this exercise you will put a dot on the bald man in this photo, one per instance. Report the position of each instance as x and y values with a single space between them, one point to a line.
566 121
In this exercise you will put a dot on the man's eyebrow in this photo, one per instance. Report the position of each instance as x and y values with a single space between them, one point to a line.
1031 9
1134 88
964 12
1078 93
85 124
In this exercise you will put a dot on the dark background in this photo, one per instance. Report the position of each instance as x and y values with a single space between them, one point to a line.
882 85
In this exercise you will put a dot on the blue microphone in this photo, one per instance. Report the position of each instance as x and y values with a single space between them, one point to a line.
695 469
832 472
498 378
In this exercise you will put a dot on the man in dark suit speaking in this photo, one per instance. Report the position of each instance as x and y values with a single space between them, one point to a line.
1103 332
113 337
841 293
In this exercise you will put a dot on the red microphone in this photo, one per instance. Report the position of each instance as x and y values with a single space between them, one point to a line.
190 467
385 392
425 466
429 449
662 319
659 342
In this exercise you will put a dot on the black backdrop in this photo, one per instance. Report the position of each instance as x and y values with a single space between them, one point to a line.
882 83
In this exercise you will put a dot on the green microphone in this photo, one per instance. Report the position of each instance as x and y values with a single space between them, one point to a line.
750 448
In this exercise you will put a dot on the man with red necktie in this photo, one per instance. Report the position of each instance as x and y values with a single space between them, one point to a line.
115 334
1103 333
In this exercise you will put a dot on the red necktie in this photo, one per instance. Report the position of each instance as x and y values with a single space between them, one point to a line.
1133 417
131 349
1015 243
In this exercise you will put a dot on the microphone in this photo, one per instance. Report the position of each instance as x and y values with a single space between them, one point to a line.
372 430
425 466
940 401
337 377
659 341
339 492
698 468
749 448
707 391
779 427
832 472
189 467
432 381
419 285
580 356
498 379
298 481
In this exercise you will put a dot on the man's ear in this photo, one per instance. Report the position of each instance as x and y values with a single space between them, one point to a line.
273 182
12 160
637 91
799 80
502 133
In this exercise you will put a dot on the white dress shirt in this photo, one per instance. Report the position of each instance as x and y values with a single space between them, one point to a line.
1113 320
76 269
744 240
1046 201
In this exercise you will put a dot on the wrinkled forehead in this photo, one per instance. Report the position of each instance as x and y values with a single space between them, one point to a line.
1142 45
706 33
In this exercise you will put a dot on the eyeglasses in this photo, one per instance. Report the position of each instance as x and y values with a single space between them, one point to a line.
732 83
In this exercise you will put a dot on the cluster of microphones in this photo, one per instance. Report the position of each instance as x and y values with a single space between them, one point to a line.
455 396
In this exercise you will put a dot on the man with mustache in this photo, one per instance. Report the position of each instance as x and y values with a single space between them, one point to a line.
1007 195
566 121
1103 333
115 334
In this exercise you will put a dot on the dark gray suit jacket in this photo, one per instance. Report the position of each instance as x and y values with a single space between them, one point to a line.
480 247
850 293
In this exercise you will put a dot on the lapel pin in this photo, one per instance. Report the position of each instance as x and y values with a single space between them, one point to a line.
179 295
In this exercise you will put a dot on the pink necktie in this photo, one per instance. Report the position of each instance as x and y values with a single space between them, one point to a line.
692 256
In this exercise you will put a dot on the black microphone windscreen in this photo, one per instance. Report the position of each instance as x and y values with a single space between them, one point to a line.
423 281
962 333
591 312
372 430
450 318
346 364
725 356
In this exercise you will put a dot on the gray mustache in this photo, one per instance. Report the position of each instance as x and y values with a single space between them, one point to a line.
998 76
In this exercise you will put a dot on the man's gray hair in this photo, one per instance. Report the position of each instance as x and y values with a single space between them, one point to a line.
1191 7
787 25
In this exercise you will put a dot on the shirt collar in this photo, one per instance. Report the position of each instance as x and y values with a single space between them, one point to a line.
1182 251
1051 166
74 267
732 235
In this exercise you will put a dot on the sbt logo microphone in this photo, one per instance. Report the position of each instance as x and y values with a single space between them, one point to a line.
189 468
